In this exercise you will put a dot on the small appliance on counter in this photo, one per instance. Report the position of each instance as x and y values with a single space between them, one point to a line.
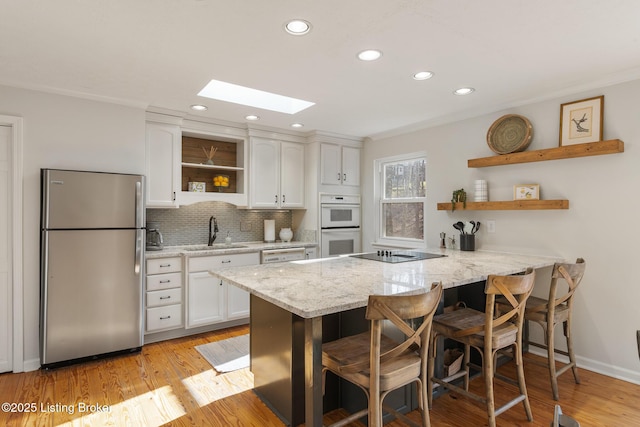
154 237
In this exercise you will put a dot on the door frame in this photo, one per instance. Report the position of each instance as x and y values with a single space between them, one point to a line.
17 173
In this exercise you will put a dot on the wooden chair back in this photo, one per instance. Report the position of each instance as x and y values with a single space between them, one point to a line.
516 290
572 275
398 309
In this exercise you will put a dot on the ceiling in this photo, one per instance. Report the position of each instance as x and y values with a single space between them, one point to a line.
160 54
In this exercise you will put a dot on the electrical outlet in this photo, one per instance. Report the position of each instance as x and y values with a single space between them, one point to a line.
246 225
491 226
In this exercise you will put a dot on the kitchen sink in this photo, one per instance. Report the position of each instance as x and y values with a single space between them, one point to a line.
215 246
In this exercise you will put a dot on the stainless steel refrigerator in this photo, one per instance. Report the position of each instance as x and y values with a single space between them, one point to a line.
92 269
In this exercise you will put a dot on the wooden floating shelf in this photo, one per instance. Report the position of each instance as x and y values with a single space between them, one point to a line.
203 166
507 205
565 152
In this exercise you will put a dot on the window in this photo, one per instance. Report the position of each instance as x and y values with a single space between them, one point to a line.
402 196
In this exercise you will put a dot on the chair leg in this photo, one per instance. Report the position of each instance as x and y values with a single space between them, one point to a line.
517 350
552 360
424 406
487 372
465 365
431 369
572 356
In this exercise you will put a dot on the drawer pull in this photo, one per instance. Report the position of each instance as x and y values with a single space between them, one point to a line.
167 297
226 261
165 281
165 317
165 265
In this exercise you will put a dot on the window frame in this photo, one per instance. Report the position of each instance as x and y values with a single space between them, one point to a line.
379 197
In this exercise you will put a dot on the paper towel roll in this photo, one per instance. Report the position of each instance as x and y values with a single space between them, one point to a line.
269 230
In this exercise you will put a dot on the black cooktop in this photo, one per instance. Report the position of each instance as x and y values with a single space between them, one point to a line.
397 256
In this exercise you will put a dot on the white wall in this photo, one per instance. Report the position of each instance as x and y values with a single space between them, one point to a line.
598 226
70 133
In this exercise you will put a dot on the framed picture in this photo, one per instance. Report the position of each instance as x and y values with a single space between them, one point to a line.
581 121
526 192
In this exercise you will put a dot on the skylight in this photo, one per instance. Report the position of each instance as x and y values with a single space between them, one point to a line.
236 94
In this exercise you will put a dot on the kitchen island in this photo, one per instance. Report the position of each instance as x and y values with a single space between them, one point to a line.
300 293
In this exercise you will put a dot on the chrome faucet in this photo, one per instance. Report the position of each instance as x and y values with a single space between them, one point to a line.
212 237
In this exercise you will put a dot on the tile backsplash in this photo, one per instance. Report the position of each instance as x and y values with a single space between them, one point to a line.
189 225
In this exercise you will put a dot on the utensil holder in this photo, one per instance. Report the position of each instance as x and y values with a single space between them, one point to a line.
467 242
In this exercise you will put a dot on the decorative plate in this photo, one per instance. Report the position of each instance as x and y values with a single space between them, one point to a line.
509 134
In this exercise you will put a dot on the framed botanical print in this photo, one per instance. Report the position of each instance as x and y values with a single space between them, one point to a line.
581 121
526 192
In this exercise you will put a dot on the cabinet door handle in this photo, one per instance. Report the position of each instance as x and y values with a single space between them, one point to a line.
174 196
344 177
220 282
165 317
276 199
283 199
338 176
167 297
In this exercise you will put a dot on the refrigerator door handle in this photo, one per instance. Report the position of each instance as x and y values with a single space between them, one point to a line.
138 260
139 205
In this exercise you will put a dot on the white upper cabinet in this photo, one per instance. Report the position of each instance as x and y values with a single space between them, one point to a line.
277 174
162 165
340 165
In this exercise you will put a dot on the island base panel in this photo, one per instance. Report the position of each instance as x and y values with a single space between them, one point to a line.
278 356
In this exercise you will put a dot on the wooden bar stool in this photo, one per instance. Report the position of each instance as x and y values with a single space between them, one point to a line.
376 363
487 334
550 312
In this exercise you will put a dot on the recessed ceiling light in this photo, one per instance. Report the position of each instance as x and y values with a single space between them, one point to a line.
297 125
297 27
369 55
229 92
252 117
464 91
198 107
423 75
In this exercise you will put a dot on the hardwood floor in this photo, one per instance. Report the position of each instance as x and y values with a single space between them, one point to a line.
171 384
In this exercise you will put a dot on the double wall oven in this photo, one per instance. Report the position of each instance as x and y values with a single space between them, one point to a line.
339 224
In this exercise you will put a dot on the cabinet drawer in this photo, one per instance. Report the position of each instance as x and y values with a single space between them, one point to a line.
164 265
164 297
164 281
218 261
169 316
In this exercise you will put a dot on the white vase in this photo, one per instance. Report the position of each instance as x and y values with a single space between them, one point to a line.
286 234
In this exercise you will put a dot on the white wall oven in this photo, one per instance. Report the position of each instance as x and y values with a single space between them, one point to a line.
339 224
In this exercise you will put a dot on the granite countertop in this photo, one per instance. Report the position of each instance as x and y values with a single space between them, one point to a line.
312 288
224 249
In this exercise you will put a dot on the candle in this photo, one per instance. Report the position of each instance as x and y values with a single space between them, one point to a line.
269 230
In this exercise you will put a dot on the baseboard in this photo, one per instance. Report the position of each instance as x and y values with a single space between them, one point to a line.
595 366
31 365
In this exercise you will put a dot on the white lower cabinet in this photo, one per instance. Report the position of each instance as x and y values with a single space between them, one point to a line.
163 296
211 300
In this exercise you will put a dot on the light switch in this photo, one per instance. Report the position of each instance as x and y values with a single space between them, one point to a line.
491 226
